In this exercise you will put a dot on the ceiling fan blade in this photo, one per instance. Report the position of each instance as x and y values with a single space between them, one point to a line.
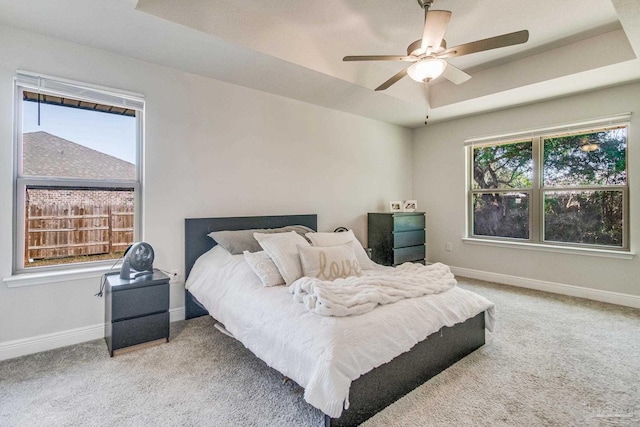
435 25
380 58
455 74
392 80
504 40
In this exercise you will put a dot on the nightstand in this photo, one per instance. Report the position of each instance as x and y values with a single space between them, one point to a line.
395 238
136 311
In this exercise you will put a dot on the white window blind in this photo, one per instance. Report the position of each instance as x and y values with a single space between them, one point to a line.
39 82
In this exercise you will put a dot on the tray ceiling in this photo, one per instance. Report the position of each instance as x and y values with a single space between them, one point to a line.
294 48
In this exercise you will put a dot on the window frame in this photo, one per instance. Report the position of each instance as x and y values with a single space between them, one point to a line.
85 92
538 190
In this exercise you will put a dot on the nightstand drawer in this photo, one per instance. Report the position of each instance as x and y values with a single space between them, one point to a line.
410 254
408 238
140 301
408 222
140 330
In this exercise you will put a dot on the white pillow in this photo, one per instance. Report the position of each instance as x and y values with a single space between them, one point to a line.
329 262
282 248
334 239
264 268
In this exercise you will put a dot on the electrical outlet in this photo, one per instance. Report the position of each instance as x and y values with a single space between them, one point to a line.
448 246
174 276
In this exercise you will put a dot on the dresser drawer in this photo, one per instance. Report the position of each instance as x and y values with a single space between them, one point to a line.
396 237
410 254
408 222
140 301
130 332
408 238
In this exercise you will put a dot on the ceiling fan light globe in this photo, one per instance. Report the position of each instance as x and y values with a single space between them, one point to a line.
427 70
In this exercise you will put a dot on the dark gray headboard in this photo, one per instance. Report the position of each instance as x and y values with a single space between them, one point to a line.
197 242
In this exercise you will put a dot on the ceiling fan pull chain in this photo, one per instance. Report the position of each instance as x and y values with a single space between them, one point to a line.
426 101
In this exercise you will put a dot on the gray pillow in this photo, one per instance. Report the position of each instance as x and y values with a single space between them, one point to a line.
238 241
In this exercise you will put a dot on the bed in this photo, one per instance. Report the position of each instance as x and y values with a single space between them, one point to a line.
379 387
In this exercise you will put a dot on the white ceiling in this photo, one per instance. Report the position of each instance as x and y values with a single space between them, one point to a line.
294 48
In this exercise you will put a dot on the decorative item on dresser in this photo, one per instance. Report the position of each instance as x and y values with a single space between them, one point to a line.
395 206
395 238
409 206
136 311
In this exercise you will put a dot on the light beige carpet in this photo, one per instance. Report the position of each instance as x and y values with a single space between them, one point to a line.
553 360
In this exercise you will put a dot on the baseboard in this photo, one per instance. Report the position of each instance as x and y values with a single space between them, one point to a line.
22 347
176 314
556 288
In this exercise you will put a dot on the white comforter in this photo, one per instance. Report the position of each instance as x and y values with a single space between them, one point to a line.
358 295
323 354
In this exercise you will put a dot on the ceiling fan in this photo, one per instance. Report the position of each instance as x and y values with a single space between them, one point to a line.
428 53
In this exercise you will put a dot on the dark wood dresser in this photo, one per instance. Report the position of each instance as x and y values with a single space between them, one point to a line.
136 311
395 238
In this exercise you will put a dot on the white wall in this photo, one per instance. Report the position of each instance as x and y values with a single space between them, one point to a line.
439 184
212 149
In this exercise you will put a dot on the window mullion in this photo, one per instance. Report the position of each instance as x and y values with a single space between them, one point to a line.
75 183
537 202
586 188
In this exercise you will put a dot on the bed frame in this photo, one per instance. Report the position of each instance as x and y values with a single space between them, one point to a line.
379 387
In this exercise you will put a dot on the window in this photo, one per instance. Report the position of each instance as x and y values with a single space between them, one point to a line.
77 174
556 189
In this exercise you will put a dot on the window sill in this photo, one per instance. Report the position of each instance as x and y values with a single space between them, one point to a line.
603 253
49 277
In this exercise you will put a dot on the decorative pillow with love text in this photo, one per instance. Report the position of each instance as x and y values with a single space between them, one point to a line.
329 262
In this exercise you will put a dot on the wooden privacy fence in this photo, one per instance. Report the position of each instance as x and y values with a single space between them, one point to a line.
58 231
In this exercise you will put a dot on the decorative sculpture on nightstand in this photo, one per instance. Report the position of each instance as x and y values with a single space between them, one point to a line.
139 258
